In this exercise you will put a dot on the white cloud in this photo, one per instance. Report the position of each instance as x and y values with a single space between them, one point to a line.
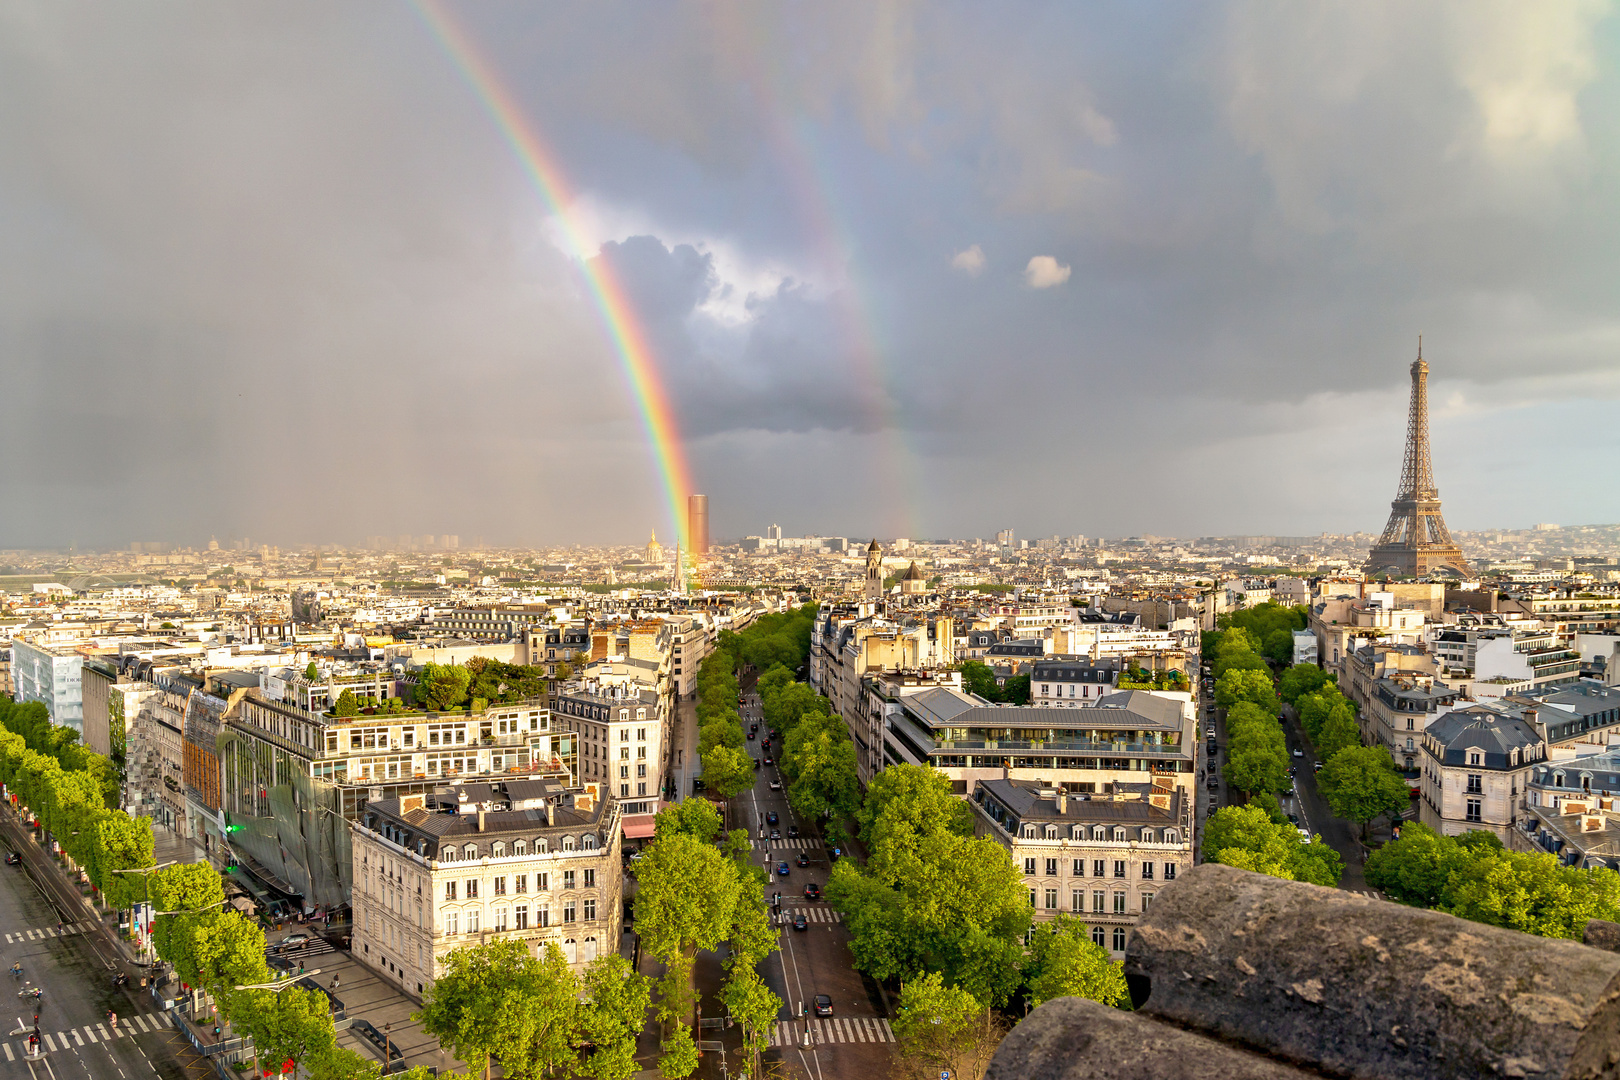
1044 271
970 261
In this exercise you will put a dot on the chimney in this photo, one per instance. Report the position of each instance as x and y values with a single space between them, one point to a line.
480 819
1062 801
551 813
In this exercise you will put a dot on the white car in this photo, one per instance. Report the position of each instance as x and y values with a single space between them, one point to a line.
776 785
1298 752
1304 835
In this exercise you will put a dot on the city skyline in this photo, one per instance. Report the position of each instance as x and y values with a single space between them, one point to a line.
1081 272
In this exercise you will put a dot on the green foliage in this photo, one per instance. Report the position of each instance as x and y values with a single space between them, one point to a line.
680 1056
502 683
693 817
1270 626
612 1011
978 678
1266 801
932 897
1472 876
312 673
1361 783
346 705
942 1029
1339 732
1302 679
728 771
440 687
818 763
286 1025
1244 684
1065 962
1257 751
1237 649
1246 837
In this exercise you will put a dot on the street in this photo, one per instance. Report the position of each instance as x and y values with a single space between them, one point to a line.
75 967
856 1039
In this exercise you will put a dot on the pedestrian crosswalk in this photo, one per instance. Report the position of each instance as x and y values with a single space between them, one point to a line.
314 947
815 914
800 844
1371 894
45 932
138 1024
838 1029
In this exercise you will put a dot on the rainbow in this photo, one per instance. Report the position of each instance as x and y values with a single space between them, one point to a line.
629 340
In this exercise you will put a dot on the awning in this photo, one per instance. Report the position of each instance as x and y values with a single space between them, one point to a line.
640 826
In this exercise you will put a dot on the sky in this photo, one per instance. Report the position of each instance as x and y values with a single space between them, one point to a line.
903 270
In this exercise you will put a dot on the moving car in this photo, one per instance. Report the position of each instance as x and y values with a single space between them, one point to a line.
768 760
295 940
750 736
782 869
776 834
776 785
793 832
812 891
766 744
804 859
1298 752
13 859
823 1005
800 922
1304 835
772 819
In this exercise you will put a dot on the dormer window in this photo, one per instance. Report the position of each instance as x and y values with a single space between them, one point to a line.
1119 835
1029 832
1051 832
1078 832
1147 836
1473 758
497 850
520 847
447 855
471 852
1099 833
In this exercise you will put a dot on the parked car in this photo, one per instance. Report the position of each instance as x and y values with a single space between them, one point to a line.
812 891
782 869
1304 835
800 922
823 1005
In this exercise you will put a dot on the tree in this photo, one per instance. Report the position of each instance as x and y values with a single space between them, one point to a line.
727 771
977 678
496 999
1361 783
942 1029
753 1005
1301 679
613 1007
1339 731
286 1025
1246 837
312 673
1257 752
441 686
111 842
182 887
544 994
694 817
1253 686
904 804
818 763
1065 962
346 705
1416 868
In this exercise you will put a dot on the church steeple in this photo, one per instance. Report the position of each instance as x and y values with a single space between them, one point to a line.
874 572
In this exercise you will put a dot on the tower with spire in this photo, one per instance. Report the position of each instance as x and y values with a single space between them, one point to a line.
1416 541
874 573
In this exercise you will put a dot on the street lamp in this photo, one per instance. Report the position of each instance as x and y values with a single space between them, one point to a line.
281 984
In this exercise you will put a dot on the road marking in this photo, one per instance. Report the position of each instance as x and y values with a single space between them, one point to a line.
103 1029
49 1045
78 1040
141 1021
9 1055
91 1035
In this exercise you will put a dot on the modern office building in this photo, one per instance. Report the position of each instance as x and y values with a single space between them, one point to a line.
52 675
697 523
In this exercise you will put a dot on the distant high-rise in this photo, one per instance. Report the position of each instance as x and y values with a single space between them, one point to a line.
1416 541
774 532
697 523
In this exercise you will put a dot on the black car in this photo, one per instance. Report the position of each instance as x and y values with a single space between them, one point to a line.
776 834
768 760
823 1005
803 859
13 859
756 763
750 736
800 922
766 744
772 819
793 832
812 891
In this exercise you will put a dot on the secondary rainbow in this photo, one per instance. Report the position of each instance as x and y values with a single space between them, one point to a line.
636 356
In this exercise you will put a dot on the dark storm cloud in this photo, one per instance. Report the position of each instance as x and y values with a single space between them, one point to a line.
265 257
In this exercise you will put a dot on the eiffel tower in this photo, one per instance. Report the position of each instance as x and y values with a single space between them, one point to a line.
1416 542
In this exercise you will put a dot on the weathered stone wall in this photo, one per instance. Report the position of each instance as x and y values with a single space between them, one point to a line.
1248 975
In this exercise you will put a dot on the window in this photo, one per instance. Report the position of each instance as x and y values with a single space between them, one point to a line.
449 890
624 753
624 772
1473 758
568 879
1475 782
1119 835
1147 836
1409 727
500 887
1098 901
1119 867
568 911
1119 902
1169 871
1051 867
497 850
1171 836
472 888
641 788
470 852
641 732
1077 901
1051 832
590 911
568 843
1032 898
452 922
641 770
1147 871
472 921
1077 833
1051 899
498 920
520 883
1029 867
447 855
1029 832
541 846
1473 813
1119 939
590 879
1079 868
1099 833
1147 898
624 791
520 915
1099 868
